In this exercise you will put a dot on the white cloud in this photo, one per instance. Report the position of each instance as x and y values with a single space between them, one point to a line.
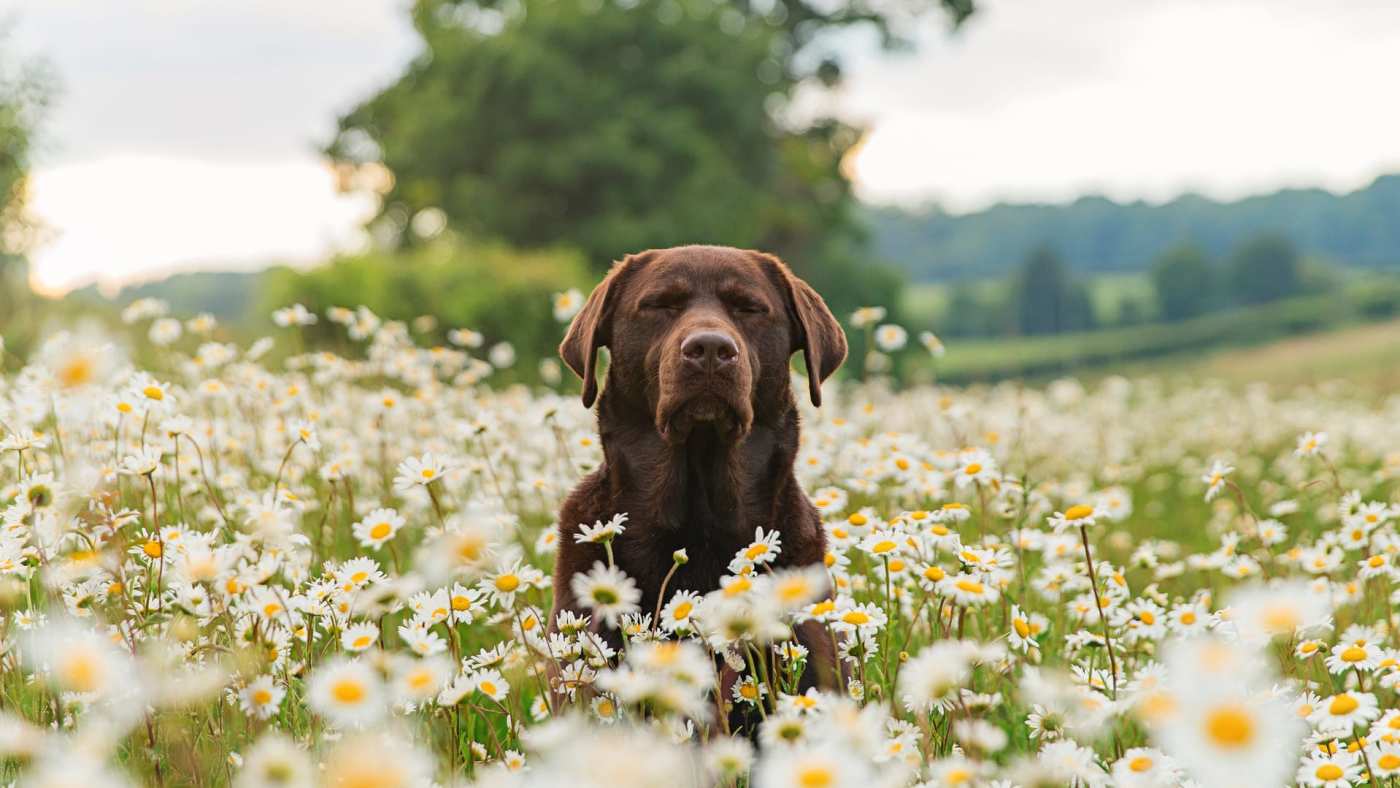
185 131
120 217
1144 99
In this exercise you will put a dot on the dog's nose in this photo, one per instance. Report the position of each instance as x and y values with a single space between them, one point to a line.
709 350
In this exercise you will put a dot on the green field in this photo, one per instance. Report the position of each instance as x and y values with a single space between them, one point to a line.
1365 301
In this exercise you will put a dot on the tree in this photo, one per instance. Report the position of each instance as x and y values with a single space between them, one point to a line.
1265 268
24 89
1047 299
1184 282
612 126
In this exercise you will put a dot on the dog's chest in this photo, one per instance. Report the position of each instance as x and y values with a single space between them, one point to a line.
647 557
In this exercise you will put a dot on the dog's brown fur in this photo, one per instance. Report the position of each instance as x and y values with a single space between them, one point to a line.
697 459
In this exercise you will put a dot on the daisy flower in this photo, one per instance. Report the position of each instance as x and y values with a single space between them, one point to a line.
882 543
508 580
261 697
1342 712
347 692
275 760
491 684
891 337
607 591
359 636
764 549
676 615
976 467
377 527
968 589
1337 770
600 531
1310 443
1385 759
1215 478
418 472
1025 628
1354 656
1080 515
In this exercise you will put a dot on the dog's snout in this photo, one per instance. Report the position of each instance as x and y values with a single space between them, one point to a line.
709 350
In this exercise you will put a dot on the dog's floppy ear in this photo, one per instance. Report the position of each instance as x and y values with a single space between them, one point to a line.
591 329
814 330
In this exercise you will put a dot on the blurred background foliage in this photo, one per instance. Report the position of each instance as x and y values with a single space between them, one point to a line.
500 292
25 88
533 142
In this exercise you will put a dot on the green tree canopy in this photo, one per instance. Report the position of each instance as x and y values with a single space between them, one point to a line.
1184 282
1265 268
612 126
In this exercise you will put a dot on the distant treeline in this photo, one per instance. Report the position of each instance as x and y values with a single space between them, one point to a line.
1098 235
1045 294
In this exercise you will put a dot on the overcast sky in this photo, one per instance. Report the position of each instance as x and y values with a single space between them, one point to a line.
185 132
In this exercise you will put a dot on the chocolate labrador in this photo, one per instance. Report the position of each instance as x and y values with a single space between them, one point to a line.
698 422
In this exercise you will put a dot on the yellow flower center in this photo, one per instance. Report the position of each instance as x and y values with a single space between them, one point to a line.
1281 620
1329 771
460 603
362 641
1230 727
973 468
1140 764
151 548
507 583
856 617
348 691
1353 654
380 530
1078 512
815 777
1343 704
1388 761
81 672
153 392
76 372
971 586
1022 628
262 697
883 546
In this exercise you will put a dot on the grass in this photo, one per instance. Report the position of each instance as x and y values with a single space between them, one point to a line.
1041 357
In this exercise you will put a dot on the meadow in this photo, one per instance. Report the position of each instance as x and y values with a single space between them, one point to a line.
335 570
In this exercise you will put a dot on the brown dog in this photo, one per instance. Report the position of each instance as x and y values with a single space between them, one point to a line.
698 422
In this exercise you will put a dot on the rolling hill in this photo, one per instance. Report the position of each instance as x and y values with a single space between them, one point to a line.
1097 235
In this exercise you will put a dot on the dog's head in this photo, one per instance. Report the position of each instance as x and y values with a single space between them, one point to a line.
703 335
